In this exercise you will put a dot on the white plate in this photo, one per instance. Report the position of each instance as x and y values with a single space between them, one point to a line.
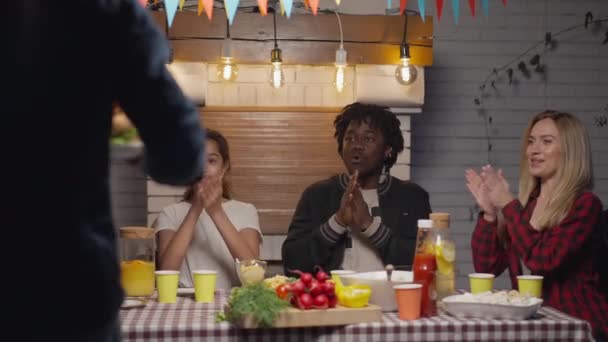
454 306
129 303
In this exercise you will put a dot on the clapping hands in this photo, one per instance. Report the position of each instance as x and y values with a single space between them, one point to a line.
208 192
353 211
490 189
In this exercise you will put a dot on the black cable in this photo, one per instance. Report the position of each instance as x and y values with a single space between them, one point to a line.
227 28
274 21
403 41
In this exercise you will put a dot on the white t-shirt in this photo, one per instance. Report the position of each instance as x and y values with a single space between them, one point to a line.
207 250
362 256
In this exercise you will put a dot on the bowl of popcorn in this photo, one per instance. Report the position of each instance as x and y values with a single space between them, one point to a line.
250 271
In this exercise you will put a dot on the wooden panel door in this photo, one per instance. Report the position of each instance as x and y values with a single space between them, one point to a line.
275 156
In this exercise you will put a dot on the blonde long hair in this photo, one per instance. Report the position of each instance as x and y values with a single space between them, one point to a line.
575 172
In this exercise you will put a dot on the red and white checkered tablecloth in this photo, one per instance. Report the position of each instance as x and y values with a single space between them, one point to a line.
187 320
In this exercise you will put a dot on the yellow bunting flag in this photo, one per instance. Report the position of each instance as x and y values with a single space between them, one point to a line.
208 8
181 5
338 2
201 6
314 5
306 5
263 6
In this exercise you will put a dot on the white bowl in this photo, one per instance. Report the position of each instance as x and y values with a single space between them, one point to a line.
383 293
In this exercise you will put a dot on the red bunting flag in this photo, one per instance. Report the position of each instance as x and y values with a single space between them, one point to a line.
208 8
263 6
314 5
472 7
439 7
504 2
143 2
402 6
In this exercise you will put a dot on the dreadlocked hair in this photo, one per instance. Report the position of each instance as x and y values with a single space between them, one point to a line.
376 117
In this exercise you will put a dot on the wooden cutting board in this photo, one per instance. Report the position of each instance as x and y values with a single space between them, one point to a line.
340 315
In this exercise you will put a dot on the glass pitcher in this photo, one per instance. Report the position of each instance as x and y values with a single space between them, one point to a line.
137 261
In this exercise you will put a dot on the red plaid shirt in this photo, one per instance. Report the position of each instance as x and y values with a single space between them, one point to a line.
565 255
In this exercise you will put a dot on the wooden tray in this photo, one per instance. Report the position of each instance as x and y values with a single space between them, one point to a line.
293 317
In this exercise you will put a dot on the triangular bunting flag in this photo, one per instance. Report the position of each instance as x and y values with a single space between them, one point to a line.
389 4
156 2
143 2
314 5
286 6
456 10
486 7
181 5
472 7
339 1
306 5
263 6
231 7
439 8
201 6
422 9
208 4
504 2
171 8
402 6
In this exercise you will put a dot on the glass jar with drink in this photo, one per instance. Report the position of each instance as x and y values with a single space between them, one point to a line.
445 255
137 261
425 266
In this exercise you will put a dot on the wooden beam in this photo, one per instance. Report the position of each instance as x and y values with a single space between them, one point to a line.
304 39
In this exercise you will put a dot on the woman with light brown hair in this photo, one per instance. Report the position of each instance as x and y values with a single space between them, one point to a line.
209 229
553 228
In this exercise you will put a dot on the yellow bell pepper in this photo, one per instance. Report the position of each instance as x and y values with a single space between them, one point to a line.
352 296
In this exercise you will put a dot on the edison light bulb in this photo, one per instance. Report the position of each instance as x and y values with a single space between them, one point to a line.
277 78
339 78
406 73
227 70
340 69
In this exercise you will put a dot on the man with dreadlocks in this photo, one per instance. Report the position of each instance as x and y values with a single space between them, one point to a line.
363 219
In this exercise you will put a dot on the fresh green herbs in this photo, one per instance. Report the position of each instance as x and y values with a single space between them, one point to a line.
256 301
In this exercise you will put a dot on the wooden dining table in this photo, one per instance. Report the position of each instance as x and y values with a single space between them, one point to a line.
187 320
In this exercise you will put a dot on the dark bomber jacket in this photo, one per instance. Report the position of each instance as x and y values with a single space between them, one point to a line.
310 240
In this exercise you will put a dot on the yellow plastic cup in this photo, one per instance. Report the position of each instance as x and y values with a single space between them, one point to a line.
481 282
204 285
166 284
531 285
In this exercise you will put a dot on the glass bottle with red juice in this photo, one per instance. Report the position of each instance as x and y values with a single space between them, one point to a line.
425 266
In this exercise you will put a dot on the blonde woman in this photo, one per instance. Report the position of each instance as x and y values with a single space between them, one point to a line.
209 229
553 228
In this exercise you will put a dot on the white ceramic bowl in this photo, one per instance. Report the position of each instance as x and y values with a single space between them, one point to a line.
383 293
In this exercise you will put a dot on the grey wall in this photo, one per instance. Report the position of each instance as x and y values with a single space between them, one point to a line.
449 136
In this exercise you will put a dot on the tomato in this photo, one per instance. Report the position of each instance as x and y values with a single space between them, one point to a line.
283 291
